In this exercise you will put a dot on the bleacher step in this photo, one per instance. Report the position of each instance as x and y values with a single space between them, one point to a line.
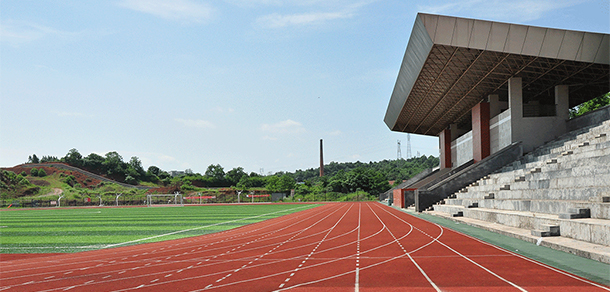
576 213
547 230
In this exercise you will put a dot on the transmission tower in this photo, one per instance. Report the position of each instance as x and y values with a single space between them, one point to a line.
398 154
408 145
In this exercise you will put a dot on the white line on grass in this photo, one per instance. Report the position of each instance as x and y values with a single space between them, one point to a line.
196 228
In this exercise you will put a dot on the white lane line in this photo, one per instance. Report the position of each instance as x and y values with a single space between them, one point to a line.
357 280
364 268
264 264
197 228
278 245
461 255
310 266
403 249
323 239
540 264
295 218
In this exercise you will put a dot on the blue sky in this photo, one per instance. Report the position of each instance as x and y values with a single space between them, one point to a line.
251 83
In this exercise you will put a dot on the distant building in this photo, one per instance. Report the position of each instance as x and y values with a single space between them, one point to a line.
175 173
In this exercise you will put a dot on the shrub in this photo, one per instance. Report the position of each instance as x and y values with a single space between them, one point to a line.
70 180
24 174
131 180
24 182
42 173
34 172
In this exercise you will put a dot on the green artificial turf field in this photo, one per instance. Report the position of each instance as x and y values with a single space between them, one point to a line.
73 230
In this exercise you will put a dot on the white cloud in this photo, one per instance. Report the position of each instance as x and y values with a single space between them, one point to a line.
327 11
180 10
277 20
71 114
196 123
19 32
284 127
222 110
269 138
515 10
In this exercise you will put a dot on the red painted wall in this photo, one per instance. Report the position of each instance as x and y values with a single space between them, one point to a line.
399 198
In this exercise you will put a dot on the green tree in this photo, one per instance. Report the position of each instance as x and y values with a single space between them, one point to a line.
33 159
153 170
253 181
114 166
135 168
42 172
282 183
216 171
234 175
34 172
590 105
73 158
49 158
94 163
131 180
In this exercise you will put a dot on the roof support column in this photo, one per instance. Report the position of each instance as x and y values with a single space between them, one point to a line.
445 148
480 131
562 102
494 105
515 105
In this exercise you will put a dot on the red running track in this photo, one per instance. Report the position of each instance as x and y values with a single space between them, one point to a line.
336 247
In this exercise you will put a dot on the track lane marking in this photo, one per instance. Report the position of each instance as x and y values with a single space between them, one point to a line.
408 254
281 244
319 211
197 228
357 280
311 266
458 253
36 265
538 263
321 241
296 257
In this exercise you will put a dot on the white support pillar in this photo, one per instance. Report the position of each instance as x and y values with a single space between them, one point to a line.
562 102
515 105
515 97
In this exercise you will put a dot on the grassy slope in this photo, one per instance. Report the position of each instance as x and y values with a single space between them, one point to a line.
74 230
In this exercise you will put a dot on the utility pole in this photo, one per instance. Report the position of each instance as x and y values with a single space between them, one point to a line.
398 153
408 145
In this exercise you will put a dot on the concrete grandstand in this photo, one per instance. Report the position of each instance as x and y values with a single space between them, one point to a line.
498 97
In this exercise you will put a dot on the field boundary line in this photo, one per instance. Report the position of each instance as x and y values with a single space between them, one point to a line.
196 228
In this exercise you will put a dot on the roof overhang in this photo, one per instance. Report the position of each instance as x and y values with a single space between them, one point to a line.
451 64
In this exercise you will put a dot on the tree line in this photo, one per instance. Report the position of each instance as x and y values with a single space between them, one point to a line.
357 178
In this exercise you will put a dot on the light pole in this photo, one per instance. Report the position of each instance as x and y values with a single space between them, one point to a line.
59 201
238 195
100 196
117 199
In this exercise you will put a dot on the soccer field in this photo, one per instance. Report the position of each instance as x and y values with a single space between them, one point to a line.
74 230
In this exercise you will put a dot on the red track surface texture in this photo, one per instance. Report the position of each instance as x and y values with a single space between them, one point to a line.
335 247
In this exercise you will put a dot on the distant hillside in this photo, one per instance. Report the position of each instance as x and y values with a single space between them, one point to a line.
53 179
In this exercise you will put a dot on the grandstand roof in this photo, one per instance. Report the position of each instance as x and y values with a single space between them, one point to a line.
452 63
